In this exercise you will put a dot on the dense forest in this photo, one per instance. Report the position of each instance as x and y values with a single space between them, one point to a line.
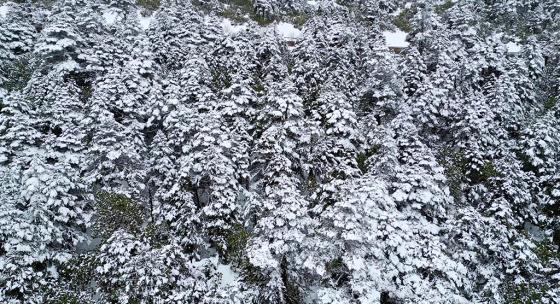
279 151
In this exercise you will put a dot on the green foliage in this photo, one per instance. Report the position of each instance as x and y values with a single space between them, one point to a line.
202 5
524 294
261 20
84 82
221 78
311 181
349 4
338 271
157 235
246 4
150 5
402 20
47 3
116 211
76 273
252 274
79 269
523 32
134 301
239 10
258 86
545 251
292 293
86 92
440 9
362 158
298 19
338 174
232 14
17 74
236 241
486 172
550 103
527 164
455 165
334 265
66 299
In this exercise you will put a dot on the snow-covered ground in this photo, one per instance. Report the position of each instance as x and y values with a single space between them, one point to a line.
284 29
110 16
288 31
231 29
145 20
228 275
396 39
513 47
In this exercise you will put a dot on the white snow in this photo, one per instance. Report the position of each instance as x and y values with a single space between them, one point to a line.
312 2
400 195
470 31
535 231
69 65
110 16
230 29
112 155
4 10
288 31
513 47
228 275
53 272
395 39
145 20
396 13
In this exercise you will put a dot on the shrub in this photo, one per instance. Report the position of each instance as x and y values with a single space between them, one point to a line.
338 271
221 78
232 14
362 158
456 166
550 103
545 251
524 294
150 5
297 18
237 10
17 74
402 20
67 299
236 241
440 9
483 174
116 211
